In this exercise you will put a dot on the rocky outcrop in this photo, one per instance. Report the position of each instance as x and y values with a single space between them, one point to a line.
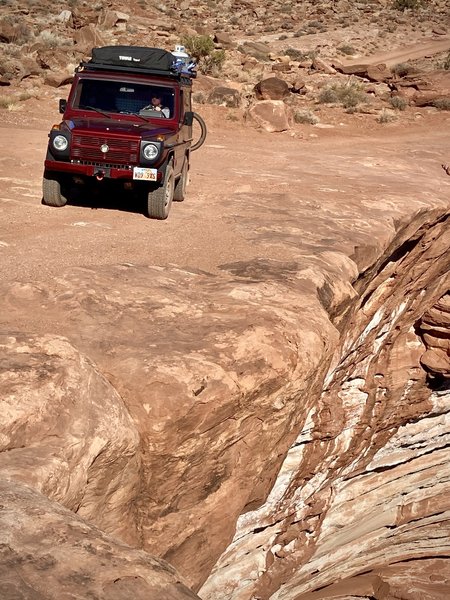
48 552
434 328
197 405
426 88
366 477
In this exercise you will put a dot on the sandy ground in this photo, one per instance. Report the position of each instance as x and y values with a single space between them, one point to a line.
252 194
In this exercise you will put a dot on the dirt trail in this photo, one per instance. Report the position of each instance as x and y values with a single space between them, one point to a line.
422 49
252 195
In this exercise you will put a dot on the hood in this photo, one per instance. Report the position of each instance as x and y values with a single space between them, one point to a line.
111 126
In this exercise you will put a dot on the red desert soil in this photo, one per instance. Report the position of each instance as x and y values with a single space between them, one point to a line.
242 182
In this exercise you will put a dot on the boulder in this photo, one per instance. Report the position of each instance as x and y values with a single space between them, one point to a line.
224 40
49 552
88 37
426 89
65 17
272 88
258 50
112 18
281 67
320 65
298 85
271 115
225 96
380 73
55 79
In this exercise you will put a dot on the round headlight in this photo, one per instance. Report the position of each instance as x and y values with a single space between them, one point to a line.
60 142
150 151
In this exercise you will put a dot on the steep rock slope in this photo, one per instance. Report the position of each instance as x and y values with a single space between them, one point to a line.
364 487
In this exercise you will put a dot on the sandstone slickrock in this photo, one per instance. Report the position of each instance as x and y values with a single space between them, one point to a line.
48 552
367 475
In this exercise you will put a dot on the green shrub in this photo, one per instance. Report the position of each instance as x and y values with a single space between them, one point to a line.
201 48
198 46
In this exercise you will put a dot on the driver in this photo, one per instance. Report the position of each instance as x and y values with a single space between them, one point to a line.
157 105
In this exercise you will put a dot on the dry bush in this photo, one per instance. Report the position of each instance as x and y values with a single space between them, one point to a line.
403 5
398 102
199 98
346 49
348 94
402 69
386 116
20 31
50 40
446 63
442 104
305 117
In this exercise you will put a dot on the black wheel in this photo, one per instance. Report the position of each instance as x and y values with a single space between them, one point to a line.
180 186
160 199
203 131
52 194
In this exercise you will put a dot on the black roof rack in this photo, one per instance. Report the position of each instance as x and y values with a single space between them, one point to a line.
177 75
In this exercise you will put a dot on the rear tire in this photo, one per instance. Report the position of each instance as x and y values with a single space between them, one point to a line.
180 186
52 194
159 200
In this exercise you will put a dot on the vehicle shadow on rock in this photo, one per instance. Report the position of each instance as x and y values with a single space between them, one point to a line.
108 196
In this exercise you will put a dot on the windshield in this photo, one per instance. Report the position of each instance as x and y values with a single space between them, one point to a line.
146 100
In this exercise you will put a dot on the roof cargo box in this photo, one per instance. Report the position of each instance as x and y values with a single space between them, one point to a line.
133 56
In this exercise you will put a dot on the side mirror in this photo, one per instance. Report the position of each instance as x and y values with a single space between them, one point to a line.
62 105
188 118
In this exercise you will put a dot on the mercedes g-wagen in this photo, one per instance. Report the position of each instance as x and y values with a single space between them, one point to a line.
114 130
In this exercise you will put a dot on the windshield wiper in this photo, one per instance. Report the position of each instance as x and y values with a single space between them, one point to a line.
99 111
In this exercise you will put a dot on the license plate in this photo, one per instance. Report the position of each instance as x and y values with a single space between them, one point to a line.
145 174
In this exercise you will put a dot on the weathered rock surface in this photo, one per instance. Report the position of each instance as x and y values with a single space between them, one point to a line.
271 115
427 88
217 401
47 552
368 475
271 88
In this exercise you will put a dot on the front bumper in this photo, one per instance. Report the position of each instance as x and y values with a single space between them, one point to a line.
93 170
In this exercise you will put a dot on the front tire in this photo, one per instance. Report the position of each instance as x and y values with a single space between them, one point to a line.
52 194
159 200
180 186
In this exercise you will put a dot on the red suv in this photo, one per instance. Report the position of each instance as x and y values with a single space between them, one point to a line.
128 120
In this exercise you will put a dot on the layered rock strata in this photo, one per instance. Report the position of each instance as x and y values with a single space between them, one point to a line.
362 496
